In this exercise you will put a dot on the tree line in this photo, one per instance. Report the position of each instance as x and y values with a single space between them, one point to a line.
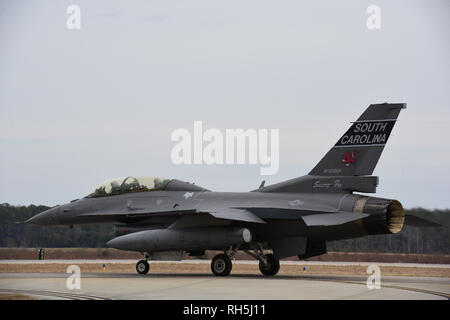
409 240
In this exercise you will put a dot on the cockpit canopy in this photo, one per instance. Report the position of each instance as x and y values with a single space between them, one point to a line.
127 185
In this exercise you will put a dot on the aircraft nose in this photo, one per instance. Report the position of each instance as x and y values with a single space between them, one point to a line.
47 217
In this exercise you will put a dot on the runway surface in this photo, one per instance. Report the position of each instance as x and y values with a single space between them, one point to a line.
197 261
100 286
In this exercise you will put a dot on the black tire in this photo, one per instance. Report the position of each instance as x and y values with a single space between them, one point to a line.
221 265
142 267
272 267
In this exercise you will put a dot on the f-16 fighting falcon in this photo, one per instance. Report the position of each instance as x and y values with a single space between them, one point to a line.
166 218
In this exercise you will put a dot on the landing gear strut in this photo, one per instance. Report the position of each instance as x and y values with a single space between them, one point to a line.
142 266
271 267
221 264
268 264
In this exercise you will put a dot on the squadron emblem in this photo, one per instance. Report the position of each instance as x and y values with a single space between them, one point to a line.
350 157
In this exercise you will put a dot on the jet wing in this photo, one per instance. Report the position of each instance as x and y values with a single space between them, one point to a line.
311 218
138 213
252 215
272 213
235 214
332 219
220 213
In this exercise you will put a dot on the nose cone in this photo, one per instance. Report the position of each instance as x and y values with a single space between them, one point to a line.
48 217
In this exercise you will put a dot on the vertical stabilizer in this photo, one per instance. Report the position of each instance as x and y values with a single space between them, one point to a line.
357 152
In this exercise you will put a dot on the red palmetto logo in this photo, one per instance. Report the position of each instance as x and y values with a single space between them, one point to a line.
350 157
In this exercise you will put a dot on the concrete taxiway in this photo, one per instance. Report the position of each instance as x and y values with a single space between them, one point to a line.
99 286
191 279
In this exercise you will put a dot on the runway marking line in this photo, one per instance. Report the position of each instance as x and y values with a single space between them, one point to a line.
436 293
71 296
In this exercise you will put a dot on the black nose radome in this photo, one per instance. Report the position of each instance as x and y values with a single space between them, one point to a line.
47 217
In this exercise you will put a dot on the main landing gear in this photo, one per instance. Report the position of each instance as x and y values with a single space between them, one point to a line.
268 265
271 267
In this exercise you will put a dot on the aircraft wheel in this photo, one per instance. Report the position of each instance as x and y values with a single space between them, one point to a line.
272 266
221 265
142 267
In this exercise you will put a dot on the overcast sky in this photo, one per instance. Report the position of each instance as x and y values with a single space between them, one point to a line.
81 106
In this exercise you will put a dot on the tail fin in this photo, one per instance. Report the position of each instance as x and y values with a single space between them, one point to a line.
357 152
349 164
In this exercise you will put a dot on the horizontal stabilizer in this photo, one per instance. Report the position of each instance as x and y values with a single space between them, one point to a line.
414 221
235 214
332 219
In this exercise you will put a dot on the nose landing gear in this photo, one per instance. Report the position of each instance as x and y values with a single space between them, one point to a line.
142 266
221 265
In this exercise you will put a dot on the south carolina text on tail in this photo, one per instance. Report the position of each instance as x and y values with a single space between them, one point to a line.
353 158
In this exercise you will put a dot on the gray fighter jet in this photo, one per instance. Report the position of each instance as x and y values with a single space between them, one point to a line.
166 218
